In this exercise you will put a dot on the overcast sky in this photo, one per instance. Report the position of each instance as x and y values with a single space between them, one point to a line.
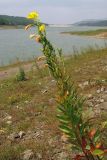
57 11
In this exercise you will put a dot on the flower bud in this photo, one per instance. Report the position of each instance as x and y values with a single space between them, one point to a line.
38 39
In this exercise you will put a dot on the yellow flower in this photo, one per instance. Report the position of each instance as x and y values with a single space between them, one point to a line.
33 15
42 28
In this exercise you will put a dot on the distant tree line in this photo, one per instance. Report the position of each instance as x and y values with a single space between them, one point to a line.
92 23
11 20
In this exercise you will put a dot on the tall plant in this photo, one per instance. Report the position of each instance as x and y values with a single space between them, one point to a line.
84 138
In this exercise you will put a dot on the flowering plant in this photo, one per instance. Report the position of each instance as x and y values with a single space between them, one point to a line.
85 139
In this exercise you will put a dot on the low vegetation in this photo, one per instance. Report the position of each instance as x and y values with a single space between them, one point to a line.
30 106
88 33
21 75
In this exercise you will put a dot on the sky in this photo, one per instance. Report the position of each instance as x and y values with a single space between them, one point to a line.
56 11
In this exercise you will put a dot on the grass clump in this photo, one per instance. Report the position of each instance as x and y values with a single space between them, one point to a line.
87 33
21 75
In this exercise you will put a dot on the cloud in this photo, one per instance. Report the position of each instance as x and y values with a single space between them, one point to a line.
56 11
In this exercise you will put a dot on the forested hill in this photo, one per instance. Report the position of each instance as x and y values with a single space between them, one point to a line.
11 20
102 23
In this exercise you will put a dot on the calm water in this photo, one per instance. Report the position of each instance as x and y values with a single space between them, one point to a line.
15 43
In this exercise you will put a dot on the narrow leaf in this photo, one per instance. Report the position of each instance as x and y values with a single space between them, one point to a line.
98 152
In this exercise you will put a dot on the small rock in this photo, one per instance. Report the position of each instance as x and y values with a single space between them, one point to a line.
97 105
2 131
90 104
89 96
81 86
62 156
9 122
101 100
44 91
39 156
40 83
53 80
13 136
21 134
28 155
26 102
98 91
102 89
8 117
86 83
17 107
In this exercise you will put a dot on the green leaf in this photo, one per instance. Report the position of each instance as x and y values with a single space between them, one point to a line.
83 127
98 152
96 136
62 118
76 148
60 109
88 147
65 129
75 119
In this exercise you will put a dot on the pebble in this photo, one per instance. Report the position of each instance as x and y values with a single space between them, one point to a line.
89 96
98 91
44 91
62 156
40 83
13 136
101 100
86 83
26 102
39 156
81 86
9 122
8 117
21 134
102 89
28 154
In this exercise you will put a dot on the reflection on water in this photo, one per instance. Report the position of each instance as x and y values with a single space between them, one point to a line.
15 43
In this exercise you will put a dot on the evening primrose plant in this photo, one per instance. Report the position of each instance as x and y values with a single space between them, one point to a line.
84 138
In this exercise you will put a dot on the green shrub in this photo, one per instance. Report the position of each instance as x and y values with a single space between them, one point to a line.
21 75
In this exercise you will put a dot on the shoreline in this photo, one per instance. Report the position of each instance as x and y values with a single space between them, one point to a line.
10 70
99 36
11 27
100 33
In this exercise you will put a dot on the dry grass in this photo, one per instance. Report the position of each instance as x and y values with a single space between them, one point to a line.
32 105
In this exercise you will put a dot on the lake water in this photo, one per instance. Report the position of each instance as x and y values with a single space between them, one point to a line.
16 44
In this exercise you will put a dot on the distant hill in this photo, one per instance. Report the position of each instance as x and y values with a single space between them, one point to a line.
101 23
11 20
